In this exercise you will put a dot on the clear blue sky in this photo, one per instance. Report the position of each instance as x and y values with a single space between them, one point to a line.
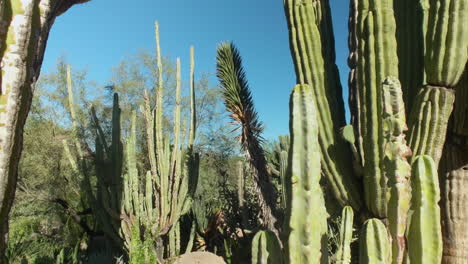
97 35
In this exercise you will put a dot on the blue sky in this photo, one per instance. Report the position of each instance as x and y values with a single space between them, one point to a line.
97 35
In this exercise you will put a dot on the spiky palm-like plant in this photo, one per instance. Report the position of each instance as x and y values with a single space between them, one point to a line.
239 103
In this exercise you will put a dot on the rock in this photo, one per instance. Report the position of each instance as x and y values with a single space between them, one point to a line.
199 258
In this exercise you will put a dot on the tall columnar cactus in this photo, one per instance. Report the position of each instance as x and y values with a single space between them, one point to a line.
307 242
266 249
311 40
374 243
343 255
424 232
377 60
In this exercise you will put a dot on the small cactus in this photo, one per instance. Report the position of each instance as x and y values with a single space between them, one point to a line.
424 233
266 249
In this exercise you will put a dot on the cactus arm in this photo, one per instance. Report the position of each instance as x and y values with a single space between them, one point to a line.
424 234
158 119
283 175
193 112
266 249
176 159
309 23
343 255
308 217
149 123
374 243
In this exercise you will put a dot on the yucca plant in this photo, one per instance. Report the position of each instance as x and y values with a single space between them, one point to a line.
239 104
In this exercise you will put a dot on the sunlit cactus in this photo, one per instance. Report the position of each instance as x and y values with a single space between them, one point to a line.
424 233
343 254
307 242
266 249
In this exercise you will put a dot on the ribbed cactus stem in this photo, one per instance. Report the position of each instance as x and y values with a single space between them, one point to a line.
343 255
307 214
266 249
446 41
396 167
158 119
424 232
429 117
374 243
454 180
193 113
377 60
311 44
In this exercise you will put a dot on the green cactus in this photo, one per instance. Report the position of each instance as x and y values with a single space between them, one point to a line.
307 240
374 243
343 254
266 249
131 208
424 232
311 40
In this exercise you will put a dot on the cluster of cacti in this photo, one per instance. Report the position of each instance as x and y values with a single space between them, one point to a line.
168 188
399 203
136 211
105 200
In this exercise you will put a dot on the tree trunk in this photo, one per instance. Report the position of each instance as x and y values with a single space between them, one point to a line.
24 29
454 180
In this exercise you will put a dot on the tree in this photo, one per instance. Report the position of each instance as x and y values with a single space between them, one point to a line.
25 27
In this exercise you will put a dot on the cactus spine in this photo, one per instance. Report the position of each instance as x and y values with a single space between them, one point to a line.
424 233
266 249
343 255
308 217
